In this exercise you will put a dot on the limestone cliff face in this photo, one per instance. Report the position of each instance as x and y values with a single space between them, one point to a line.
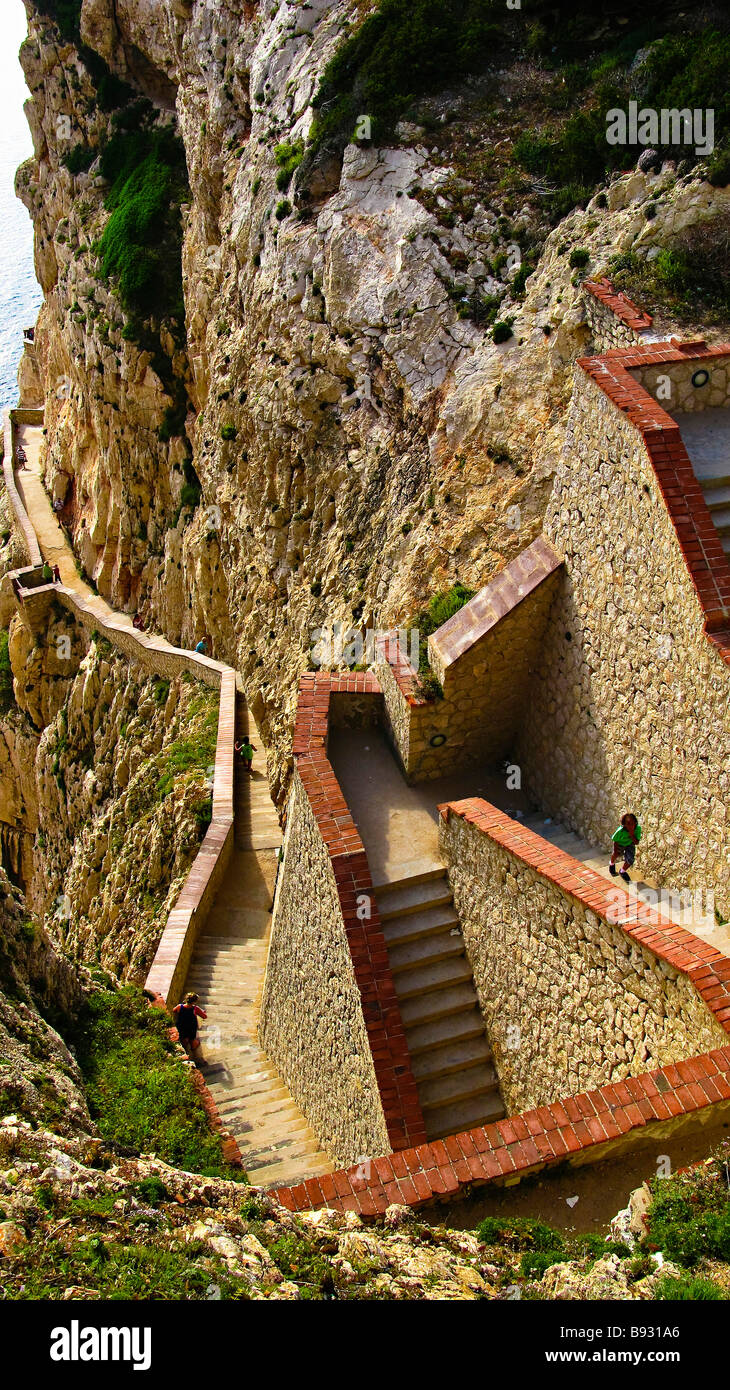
358 442
105 791
124 778
39 1077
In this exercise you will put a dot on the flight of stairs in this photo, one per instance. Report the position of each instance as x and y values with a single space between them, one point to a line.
458 1087
716 486
276 1143
706 436
227 971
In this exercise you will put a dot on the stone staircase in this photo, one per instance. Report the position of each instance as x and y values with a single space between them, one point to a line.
716 487
692 917
706 435
227 971
458 1086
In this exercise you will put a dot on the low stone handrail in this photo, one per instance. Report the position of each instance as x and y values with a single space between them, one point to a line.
167 974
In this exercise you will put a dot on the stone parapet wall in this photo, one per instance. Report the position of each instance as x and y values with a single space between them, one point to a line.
167 974
312 1023
629 704
353 912
654 1109
572 998
483 657
614 320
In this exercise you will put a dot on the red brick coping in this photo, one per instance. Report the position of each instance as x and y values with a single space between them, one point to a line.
499 597
583 1125
404 674
698 537
619 304
368 949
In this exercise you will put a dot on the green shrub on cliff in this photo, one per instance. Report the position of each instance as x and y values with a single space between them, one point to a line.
140 248
139 1091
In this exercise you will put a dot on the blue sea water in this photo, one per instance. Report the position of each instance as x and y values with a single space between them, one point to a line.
20 293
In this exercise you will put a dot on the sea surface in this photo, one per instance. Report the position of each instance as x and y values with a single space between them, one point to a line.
20 293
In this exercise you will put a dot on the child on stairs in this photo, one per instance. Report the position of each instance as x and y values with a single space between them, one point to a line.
625 840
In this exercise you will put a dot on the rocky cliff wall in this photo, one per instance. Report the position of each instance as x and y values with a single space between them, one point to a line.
359 442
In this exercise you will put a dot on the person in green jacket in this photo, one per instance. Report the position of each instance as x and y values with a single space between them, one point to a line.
47 572
625 840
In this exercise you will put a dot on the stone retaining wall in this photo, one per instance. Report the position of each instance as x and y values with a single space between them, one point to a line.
312 1024
326 889
571 1000
671 384
167 974
629 704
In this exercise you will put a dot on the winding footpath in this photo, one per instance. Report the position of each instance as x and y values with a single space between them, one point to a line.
229 957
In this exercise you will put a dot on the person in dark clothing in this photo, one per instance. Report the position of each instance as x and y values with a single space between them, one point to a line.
186 1017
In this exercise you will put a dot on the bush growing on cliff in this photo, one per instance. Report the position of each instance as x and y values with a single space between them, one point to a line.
140 247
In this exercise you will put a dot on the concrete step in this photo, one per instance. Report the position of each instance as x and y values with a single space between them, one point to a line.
399 930
425 950
427 1010
415 871
458 1085
722 521
448 1028
451 1057
441 974
716 496
415 897
464 1114
283 1173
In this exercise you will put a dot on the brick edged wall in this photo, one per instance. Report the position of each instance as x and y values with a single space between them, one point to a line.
365 939
586 1127
704 556
614 319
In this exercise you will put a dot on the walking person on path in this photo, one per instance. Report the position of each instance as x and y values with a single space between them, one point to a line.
47 573
186 1017
625 841
245 751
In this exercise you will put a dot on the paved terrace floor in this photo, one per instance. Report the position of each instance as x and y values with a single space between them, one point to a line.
398 823
706 437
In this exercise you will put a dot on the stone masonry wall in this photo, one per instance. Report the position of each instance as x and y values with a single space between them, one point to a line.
629 706
613 319
483 656
312 1024
569 1000
680 394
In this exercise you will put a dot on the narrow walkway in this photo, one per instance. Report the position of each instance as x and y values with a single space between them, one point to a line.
690 915
229 962
706 437
227 971
54 544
